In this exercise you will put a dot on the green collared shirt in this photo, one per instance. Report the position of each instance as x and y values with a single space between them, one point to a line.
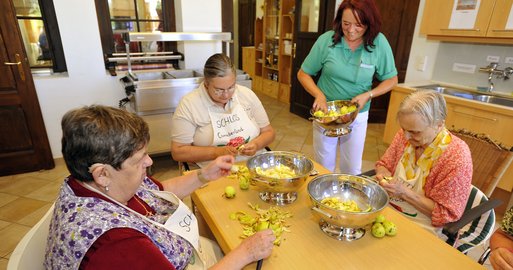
346 73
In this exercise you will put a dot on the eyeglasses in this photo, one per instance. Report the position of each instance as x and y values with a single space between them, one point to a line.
219 92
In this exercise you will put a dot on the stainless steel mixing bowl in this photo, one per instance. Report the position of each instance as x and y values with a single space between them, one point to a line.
336 126
279 191
340 224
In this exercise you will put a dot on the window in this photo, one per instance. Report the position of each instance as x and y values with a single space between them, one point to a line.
40 32
116 17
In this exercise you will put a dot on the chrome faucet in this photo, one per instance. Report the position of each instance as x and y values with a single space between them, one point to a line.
492 70
507 72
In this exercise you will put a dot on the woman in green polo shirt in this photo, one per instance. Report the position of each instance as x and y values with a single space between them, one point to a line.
348 58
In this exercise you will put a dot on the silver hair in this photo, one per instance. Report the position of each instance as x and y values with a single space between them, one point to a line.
218 65
429 104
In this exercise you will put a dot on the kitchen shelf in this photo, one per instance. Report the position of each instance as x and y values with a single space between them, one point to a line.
275 31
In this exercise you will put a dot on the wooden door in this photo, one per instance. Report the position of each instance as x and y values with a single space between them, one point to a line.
24 144
247 13
399 18
305 35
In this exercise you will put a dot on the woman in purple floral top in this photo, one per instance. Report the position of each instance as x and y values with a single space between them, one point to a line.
110 215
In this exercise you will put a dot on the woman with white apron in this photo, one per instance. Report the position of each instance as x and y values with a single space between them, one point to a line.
431 169
219 118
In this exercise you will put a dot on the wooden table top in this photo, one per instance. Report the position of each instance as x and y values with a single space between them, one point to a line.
307 247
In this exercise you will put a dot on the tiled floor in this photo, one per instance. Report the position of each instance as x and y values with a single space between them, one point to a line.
24 198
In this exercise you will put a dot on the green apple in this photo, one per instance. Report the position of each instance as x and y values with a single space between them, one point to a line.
243 182
380 218
378 230
390 228
229 192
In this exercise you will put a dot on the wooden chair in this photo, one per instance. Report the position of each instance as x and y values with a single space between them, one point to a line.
490 159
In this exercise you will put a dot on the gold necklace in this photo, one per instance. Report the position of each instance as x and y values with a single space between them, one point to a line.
148 213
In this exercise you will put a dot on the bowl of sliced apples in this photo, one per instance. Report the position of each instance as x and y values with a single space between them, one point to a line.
341 113
278 175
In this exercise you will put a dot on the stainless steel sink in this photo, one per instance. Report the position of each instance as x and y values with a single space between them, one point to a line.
468 94
448 91
494 100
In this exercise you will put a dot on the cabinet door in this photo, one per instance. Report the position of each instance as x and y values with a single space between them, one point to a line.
437 17
499 19
477 120
248 60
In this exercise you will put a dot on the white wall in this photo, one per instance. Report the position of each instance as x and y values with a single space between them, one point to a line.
198 16
87 81
421 47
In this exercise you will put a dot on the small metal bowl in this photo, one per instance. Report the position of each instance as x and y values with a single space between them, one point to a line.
279 191
340 224
336 126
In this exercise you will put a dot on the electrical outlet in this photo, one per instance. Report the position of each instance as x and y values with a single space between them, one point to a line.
465 68
509 60
421 63
493 58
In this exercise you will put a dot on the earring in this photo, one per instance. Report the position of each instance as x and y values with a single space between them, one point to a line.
106 188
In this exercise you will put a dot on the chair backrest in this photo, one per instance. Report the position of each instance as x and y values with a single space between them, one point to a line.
29 254
478 230
489 158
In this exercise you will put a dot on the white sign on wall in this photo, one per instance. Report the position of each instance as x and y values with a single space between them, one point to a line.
464 14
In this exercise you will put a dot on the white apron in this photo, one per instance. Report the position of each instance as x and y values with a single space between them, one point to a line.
229 125
183 223
407 209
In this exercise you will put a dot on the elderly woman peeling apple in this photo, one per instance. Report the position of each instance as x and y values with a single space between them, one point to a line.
219 118
427 171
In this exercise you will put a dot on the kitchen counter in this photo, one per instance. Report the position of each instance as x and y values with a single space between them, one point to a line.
307 247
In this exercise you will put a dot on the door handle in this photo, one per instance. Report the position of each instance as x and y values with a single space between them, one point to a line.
294 50
19 64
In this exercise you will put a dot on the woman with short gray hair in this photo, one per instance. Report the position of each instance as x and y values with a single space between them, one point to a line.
427 171
429 105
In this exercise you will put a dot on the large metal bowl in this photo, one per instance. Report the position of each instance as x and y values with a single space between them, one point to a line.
336 126
279 191
341 224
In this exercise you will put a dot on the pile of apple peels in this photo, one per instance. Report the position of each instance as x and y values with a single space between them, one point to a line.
273 218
